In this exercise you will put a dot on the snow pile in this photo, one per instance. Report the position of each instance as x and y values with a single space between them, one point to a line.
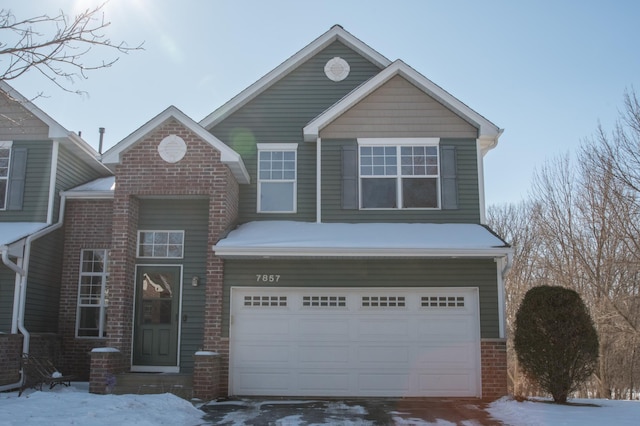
75 406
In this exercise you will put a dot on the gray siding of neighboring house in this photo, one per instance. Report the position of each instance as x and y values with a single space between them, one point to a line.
192 216
468 210
278 116
16 123
7 285
399 109
43 288
36 190
480 273
71 172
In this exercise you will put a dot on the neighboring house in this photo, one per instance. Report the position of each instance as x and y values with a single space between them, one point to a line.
321 234
38 159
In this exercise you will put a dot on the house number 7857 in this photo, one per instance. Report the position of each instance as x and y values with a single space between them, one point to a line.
264 278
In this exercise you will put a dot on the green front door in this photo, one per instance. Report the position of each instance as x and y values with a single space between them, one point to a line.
156 321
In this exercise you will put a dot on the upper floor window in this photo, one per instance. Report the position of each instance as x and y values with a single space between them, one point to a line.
399 173
5 157
92 294
161 244
277 178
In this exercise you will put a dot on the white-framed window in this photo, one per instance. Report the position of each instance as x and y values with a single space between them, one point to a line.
161 244
92 293
5 160
277 173
399 173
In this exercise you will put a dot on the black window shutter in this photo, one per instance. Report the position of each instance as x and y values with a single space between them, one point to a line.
15 193
448 177
349 177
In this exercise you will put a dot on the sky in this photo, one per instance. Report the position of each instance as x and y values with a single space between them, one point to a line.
75 406
546 71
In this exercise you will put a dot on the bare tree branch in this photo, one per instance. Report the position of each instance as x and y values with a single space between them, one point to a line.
57 47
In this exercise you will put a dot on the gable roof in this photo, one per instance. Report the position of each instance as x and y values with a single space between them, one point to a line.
227 155
488 132
336 33
56 131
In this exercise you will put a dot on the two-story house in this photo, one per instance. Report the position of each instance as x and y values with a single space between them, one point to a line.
320 234
38 159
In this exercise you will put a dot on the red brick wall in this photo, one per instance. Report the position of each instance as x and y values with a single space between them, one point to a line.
10 352
494 368
141 173
88 225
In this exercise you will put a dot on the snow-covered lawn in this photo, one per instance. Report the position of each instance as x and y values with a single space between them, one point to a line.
75 406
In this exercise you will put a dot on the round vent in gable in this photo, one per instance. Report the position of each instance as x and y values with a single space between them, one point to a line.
337 69
172 149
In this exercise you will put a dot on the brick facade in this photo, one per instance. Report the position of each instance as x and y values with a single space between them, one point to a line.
87 226
493 354
10 350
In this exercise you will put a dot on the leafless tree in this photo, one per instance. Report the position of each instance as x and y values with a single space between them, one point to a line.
58 47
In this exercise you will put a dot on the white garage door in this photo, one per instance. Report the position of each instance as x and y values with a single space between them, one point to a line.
354 342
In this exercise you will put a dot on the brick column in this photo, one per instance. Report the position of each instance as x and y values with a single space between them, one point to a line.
206 375
105 364
494 368
10 353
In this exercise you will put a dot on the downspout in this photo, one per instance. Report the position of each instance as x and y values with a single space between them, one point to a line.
318 180
23 272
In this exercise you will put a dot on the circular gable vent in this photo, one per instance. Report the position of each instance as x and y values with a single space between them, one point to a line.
337 69
172 149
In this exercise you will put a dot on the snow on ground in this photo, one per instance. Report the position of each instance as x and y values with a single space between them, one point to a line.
75 406
540 413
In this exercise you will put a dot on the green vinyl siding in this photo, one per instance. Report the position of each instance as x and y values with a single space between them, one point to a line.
43 288
7 286
278 115
36 189
192 216
72 172
480 273
468 210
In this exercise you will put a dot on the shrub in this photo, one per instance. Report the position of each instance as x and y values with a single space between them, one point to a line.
555 340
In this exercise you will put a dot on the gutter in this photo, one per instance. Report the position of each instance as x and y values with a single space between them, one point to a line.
22 272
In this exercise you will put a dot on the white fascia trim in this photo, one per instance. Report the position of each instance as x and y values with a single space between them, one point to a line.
87 195
227 155
335 33
350 252
399 141
486 128
277 146
52 179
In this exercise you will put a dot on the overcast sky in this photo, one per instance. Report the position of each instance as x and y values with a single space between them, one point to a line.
547 71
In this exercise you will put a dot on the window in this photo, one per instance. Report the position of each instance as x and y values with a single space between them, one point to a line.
399 174
277 178
161 244
5 157
92 294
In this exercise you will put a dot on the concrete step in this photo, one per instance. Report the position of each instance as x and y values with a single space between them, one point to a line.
152 383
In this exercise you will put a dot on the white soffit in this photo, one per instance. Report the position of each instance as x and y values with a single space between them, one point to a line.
227 155
335 33
487 130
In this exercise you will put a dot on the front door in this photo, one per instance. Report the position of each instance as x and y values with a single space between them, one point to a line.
157 310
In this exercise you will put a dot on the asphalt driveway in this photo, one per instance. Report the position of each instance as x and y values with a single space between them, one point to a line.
351 412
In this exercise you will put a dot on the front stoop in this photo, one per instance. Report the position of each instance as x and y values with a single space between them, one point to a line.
153 383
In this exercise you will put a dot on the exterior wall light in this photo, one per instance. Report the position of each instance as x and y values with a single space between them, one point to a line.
195 281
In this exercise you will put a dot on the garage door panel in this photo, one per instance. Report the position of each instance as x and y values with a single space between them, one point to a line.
327 329
383 354
314 355
323 383
334 342
383 329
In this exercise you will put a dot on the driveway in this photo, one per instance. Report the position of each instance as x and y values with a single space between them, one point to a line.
351 412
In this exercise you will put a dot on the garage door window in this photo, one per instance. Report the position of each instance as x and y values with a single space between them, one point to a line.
383 302
442 302
270 301
324 301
